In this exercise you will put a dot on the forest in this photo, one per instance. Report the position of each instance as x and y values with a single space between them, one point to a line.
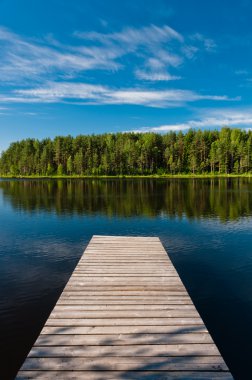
225 151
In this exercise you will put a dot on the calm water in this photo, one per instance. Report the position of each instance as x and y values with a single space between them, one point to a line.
206 226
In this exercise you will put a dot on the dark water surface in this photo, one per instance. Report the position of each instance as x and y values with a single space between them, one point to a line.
205 225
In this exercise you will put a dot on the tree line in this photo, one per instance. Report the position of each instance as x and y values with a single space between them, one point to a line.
226 151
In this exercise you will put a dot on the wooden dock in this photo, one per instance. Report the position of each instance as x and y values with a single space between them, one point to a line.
124 314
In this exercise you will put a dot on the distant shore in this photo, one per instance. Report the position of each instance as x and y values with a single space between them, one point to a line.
154 176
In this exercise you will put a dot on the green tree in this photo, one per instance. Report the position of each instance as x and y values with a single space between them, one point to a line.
224 151
69 165
60 170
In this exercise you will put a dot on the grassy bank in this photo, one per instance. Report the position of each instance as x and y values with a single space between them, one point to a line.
163 176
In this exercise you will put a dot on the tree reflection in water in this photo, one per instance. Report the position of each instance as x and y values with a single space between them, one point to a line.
227 199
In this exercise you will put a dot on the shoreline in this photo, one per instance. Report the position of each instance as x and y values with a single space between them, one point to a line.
150 176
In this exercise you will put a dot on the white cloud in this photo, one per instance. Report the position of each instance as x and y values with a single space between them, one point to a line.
23 60
83 93
189 51
41 70
216 119
157 48
155 75
150 35
160 48
164 128
208 44
30 113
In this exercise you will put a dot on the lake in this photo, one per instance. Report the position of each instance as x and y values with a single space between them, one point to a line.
204 224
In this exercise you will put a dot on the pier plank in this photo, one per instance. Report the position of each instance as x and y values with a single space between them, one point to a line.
124 314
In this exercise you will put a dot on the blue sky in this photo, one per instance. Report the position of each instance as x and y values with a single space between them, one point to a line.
81 67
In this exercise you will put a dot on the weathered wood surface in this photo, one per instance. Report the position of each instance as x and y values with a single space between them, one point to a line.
124 314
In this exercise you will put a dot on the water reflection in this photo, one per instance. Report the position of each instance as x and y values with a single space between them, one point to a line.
205 225
227 199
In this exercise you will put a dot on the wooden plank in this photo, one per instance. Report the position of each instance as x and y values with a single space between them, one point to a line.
97 238
124 321
126 279
112 289
124 314
127 287
124 375
82 307
119 273
137 296
122 330
118 339
127 276
87 314
124 292
133 271
129 350
124 303
146 253
126 364
116 280
128 262
134 246
118 264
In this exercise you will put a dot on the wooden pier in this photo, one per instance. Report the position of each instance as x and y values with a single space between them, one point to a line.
124 314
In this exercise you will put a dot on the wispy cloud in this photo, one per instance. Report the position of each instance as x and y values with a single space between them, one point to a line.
83 93
23 59
157 47
133 37
217 119
153 51
241 72
208 43
155 76
30 113
164 128
47 71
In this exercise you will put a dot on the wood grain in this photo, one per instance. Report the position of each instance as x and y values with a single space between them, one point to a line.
124 314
